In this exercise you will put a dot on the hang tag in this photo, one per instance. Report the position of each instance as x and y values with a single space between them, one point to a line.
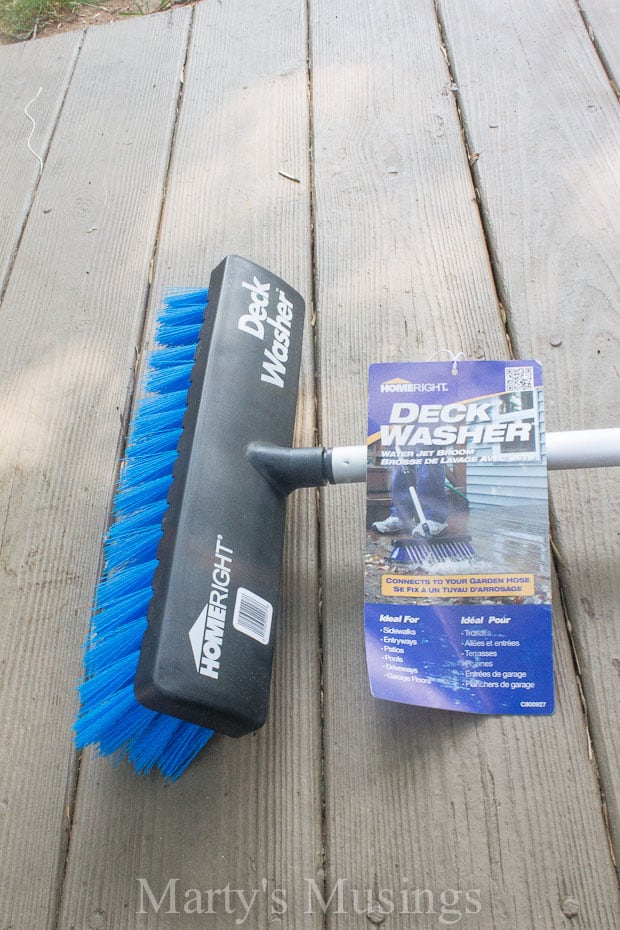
458 577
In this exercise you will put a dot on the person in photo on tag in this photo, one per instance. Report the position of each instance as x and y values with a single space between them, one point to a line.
429 483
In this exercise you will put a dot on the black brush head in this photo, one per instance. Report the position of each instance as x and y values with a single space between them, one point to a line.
207 654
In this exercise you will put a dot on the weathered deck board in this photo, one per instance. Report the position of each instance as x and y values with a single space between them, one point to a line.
23 70
548 176
69 323
414 799
248 812
406 800
603 19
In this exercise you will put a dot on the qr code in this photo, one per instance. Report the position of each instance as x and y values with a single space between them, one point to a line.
520 379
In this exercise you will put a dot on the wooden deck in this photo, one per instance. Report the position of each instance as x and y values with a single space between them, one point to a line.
428 175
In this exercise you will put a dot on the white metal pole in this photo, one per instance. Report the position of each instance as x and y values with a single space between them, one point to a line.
588 448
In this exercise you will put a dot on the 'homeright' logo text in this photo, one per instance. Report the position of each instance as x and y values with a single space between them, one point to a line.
278 337
407 387
207 633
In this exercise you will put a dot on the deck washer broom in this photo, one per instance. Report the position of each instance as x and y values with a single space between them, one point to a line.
182 632
429 549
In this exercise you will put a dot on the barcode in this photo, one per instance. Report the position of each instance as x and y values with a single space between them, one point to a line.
520 379
252 615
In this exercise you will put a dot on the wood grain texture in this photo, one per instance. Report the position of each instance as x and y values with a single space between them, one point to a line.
69 324
550 183
247 814
23 70
442 804
408 251
603 20
496 822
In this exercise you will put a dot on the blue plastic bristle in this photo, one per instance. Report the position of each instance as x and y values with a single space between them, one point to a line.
129 500
110 716
147 468
166 440
136 548
174 355
173 378
147 516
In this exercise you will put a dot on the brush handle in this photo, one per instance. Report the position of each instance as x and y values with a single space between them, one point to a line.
418 509
590 448
586 448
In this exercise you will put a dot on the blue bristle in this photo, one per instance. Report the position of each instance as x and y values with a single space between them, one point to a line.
113 724
173 355
191 303
112 612
181 335
145 444
157 404
116 627
128 500
180 751
110 716
173 378
146 516
116 584
146 468
139 547
160 735
104 649
110 678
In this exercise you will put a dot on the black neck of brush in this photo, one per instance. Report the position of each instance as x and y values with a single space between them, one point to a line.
288 469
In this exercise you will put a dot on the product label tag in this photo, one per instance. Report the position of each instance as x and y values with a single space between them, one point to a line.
458 578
